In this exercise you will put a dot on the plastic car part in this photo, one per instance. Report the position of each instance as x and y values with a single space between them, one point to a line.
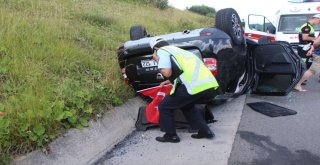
206 34
276 68
212 65
264 40
125 77
186 31
137 32
229 21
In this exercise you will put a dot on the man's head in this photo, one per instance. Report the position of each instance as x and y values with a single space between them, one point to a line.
155 44
315 19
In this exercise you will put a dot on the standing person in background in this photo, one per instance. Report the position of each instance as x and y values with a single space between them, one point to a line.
192 82
314 52
306 37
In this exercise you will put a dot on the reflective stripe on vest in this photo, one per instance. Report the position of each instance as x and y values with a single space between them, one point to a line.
307 24
196 76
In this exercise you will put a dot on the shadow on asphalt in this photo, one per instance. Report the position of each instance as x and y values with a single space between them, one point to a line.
278 154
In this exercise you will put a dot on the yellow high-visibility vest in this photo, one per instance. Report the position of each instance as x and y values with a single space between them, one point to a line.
307 24
196 76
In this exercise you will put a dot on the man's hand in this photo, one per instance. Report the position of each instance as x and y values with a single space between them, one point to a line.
165 83
310 52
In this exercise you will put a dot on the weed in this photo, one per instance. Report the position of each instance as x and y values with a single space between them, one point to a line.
59 66
98 19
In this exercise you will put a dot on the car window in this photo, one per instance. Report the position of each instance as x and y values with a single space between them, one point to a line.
292 23
295 1
259 23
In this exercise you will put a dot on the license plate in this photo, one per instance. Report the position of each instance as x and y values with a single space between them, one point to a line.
148 63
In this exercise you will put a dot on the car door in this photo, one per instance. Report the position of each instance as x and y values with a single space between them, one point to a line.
277 69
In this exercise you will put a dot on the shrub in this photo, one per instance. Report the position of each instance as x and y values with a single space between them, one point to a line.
186 25
98 19
161 4
203 10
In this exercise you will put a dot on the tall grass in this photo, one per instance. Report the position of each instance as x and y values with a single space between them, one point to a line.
58 65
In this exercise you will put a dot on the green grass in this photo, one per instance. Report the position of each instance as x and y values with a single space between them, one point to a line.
58 66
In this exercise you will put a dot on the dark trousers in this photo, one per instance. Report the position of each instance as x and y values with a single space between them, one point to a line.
308 62
186 102
302 54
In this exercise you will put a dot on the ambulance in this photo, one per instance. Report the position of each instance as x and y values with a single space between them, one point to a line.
285 26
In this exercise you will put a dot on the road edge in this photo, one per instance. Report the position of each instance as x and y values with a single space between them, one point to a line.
82 146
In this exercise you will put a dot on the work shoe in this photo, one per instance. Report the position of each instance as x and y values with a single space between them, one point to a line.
203 134
168 138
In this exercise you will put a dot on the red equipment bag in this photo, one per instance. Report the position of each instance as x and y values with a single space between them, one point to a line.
148 116
157 93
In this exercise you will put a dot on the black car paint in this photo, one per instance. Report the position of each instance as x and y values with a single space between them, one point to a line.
234 61
218 45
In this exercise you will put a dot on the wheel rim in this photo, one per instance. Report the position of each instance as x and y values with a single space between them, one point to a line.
236 25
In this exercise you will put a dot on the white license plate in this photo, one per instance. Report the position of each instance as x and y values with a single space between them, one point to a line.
148 63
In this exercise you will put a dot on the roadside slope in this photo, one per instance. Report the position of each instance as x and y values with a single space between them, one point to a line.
59 65
83 146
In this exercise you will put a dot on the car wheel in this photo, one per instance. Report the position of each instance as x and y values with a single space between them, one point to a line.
137 32
229 21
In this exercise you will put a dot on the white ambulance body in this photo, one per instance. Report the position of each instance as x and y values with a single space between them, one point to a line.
257 26
286 24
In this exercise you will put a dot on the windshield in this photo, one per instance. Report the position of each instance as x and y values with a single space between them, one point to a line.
292 23
304 1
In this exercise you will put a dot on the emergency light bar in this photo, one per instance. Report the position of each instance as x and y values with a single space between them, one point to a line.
301 1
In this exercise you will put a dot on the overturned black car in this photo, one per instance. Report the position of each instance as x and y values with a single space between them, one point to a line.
239 64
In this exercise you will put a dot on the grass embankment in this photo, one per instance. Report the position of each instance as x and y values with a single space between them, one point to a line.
58 63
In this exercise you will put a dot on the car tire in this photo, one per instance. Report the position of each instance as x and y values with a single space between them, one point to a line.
229 21
137 32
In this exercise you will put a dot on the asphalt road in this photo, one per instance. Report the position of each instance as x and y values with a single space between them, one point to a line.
288 140
141 148
258 139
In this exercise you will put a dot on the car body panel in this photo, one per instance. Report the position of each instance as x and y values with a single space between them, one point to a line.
240 67
277 68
